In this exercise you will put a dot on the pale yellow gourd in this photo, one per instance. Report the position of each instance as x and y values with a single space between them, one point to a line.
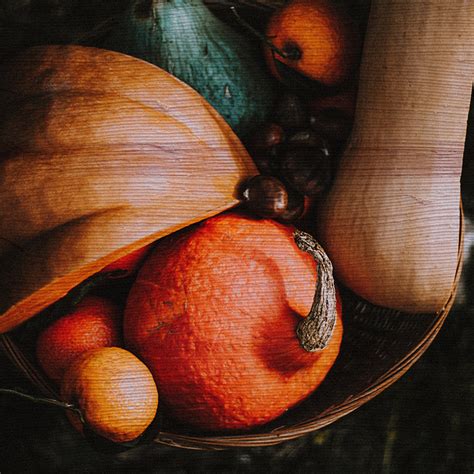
391 223
102 153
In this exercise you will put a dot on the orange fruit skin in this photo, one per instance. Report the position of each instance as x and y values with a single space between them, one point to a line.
94 322
115 392
130 263
326 36
213 314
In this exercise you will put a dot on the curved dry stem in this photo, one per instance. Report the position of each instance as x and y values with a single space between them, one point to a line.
315 331
44 401
294 53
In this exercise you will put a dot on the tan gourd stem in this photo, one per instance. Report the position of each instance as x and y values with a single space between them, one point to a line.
391 221
315 331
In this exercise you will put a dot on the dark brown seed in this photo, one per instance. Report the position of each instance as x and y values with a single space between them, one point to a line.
268 136
267 161
295 208
332 123
307 138
263 148
290 112
307 170
266 196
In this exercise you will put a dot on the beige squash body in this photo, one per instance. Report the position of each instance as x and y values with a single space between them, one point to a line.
101 154
391 224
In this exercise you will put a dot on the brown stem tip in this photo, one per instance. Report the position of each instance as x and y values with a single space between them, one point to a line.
315 331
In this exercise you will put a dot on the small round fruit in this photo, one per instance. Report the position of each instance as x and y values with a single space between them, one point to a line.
94 322
114 391
321 39
267 136
264 147
266 196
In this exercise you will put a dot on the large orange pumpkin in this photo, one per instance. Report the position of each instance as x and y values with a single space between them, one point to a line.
214 314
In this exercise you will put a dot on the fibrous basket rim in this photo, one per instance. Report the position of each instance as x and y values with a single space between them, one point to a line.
282 433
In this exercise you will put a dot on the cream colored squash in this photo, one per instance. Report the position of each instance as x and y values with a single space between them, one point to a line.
391 224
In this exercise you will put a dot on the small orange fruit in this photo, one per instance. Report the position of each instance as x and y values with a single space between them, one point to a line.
94 322
114 391
322 41
213 314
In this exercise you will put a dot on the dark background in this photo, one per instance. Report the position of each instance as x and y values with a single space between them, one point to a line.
422 423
